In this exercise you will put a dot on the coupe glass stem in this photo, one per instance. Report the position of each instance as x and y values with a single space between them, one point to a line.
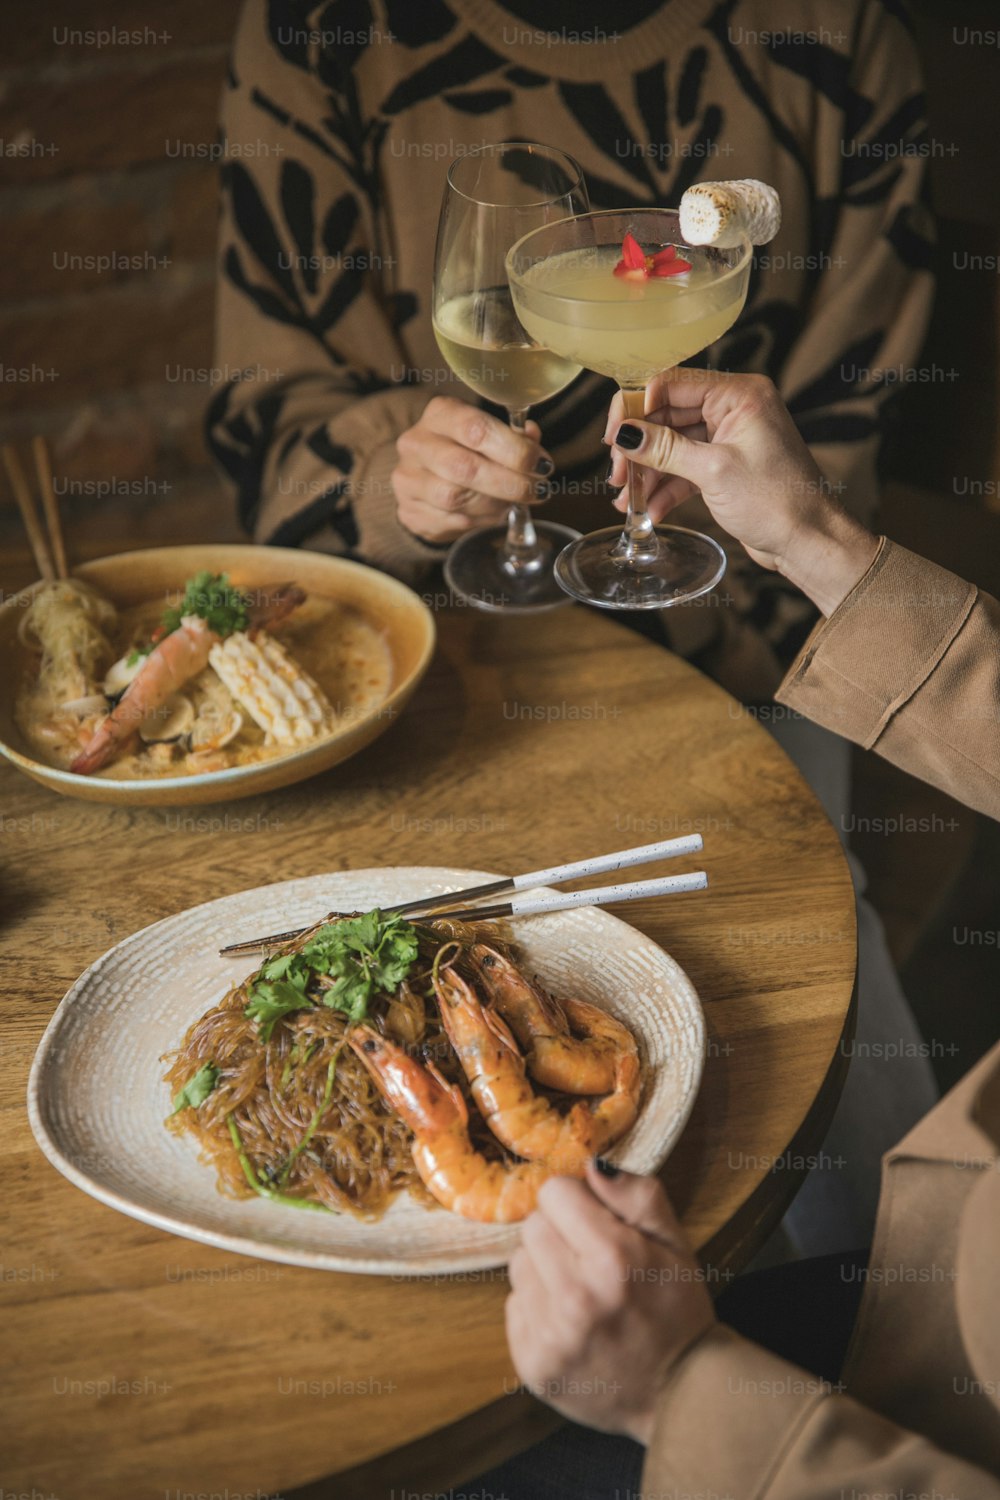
522 552
639 543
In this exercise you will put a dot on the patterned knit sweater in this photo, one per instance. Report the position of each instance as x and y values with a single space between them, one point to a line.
339 120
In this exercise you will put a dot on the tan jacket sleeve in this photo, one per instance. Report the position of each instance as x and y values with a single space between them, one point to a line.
909 666
735 1421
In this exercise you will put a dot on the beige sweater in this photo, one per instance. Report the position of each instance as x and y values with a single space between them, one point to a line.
909 665
337 144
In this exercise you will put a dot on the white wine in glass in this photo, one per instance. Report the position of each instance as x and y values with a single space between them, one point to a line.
494 195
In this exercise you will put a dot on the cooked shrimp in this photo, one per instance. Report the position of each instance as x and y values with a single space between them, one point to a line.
179 657
585 1063
458 1176
517 1116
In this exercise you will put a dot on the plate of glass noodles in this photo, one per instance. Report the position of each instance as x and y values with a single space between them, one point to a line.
374 1093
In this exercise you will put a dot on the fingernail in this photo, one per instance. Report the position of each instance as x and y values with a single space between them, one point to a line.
545 466
628 436
543 490
611 470
605 1167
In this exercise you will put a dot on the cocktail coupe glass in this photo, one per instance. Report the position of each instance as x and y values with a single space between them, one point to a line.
494 195
569 297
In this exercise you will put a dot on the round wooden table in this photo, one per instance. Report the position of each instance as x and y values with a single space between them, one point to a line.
138 1364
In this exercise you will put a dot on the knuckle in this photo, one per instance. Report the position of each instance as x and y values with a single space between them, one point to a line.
615 1266
715 465
578 1304
438 406
463 467
475 428
762 393
453 497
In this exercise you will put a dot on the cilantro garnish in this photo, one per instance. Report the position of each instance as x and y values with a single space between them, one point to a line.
364 955
197 1089
272 997
210 595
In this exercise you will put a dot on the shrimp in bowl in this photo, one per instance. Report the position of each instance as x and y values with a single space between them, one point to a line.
213 680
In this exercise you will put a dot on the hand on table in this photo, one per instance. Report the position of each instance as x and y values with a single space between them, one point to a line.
460 468
605 1297
731 438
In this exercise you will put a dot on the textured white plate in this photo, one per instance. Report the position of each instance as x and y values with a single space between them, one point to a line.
97 1101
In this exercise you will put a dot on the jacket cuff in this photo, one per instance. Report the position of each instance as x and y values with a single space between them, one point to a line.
725 1418
863 664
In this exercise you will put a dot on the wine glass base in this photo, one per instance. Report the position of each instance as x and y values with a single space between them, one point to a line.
687 565
475 569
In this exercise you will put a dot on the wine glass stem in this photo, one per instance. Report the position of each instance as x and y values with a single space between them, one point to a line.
638 542
522 551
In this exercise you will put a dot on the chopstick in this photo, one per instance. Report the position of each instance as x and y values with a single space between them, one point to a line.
50 507
533 906
48 550
621 859
600 864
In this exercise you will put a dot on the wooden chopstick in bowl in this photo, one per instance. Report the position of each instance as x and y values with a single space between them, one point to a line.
46 542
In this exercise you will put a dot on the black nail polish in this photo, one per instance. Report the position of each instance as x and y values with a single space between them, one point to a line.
543 490
605 1167
611 470
628 436
545 466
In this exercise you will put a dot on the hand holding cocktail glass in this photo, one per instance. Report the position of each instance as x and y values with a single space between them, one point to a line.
730 438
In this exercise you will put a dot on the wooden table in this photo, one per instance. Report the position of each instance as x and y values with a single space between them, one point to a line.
531 741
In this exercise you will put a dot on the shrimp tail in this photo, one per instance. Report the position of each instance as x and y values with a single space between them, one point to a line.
273 604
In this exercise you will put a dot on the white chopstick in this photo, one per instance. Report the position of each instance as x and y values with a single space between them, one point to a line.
600 864
532 904
624 859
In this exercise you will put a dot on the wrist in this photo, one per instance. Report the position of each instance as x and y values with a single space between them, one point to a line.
827 560
641 1419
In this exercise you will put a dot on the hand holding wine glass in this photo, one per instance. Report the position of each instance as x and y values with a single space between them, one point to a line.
461 468
466 464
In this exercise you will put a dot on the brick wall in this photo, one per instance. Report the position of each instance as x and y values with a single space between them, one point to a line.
108 197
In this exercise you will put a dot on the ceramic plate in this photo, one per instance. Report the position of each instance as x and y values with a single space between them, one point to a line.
97 1100
403 620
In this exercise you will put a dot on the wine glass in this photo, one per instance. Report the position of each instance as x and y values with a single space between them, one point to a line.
589 295
494 195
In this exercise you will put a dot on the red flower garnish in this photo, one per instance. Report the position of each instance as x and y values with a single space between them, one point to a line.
636 265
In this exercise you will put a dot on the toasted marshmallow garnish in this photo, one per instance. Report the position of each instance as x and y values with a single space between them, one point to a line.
721 213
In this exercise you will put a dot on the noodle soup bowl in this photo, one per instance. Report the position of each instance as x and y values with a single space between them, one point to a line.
403 622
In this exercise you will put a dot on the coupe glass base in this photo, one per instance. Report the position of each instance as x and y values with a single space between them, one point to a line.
687 565
475 569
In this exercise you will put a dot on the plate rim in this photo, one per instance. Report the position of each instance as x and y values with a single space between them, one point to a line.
489 1258
71 780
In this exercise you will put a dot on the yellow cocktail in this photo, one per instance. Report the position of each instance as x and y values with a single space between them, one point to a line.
623 294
